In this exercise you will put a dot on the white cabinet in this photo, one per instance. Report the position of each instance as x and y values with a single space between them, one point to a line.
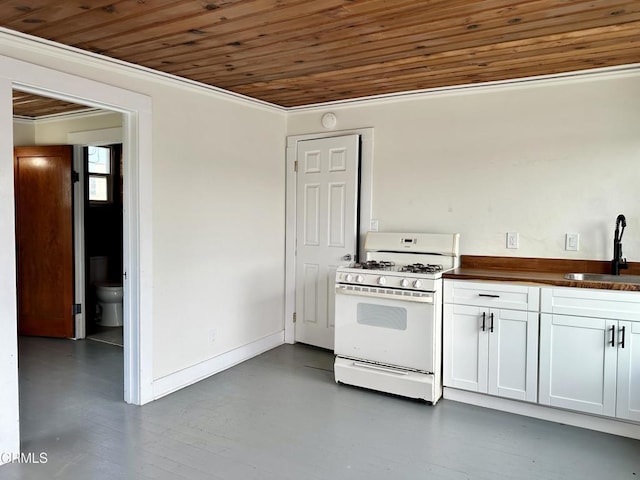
577 366
590 351
491 338
628 388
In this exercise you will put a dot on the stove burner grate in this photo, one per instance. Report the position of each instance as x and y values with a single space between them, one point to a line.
421 268
374 265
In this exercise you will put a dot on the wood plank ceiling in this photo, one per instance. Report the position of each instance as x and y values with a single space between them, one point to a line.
301 52
35 106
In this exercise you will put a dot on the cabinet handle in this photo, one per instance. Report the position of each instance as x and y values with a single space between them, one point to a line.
613 336
491 327
623 334
488 295
484 314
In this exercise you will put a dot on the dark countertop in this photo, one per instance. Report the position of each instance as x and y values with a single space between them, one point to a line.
523 271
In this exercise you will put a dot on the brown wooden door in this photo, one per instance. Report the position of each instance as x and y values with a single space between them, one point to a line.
44 240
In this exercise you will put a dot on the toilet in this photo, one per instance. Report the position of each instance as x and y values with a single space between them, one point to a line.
108 293
109 296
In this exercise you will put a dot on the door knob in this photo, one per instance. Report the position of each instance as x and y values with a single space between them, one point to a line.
347 257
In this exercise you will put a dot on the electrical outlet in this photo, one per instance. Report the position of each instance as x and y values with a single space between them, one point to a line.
373 227
212 336
513 240
572 242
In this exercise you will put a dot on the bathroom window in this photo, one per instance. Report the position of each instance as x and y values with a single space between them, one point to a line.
100 174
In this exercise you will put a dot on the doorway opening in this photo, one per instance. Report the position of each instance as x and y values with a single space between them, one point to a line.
103 257
80 193
131 191
136 110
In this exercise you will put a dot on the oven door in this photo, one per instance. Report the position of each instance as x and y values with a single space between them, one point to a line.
386 326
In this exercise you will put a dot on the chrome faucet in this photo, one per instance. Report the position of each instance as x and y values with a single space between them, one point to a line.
618 262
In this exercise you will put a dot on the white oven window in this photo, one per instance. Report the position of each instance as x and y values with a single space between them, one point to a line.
382 316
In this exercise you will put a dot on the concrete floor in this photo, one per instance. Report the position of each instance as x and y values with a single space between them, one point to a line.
279 416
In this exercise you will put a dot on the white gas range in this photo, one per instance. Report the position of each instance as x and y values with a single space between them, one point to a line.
388 314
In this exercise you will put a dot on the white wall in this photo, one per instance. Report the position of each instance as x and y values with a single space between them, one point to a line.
55 131
24 133
541 159
218 211
219 222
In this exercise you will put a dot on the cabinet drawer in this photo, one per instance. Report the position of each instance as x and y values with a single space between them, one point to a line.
492 295
587 302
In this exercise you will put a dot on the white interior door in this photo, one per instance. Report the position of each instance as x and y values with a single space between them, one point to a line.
326 230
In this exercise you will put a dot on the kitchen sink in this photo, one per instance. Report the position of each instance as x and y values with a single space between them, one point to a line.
602 277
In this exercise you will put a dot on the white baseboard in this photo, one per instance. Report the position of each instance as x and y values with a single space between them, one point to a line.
600 424
190 375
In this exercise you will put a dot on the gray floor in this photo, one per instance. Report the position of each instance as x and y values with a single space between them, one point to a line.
111 335
279 416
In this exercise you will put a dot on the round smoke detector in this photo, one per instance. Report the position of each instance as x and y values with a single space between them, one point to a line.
329 120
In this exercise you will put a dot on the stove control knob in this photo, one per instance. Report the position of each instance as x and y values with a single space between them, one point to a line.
382 281
404 282
359 279
417 284
348 277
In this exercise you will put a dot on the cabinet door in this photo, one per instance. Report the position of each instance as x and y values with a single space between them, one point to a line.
628 398
513 354
465 347
578 363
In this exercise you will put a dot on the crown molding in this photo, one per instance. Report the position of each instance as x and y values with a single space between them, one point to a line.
24 120
41 46
526 82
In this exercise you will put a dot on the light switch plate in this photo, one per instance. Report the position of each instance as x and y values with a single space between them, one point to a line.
513 240
572 242
373 227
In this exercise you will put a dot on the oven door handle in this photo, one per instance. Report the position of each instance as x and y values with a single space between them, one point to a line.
380 368
423 297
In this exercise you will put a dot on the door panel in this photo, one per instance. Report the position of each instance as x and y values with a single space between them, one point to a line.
326 219
466 347
44 242
628 397
578 364
513 348
310 293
